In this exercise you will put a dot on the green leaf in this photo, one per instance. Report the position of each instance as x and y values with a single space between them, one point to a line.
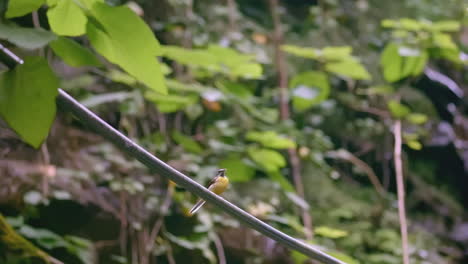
187 142
414 144
170 103
410 24
27 99
420 64
447 26
349 68
391 63
378 90
67 19
17 8
345 258
388 23
216 59
398 110
73 53
298 257
271 139
310 88
336 53
118 34
238 170
28 38
329 232
417 118
309 53
269 160
444 40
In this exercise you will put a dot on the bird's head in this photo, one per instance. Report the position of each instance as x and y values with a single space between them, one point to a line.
221 173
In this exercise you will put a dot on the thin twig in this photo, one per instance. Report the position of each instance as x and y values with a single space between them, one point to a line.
158 224
346 155
219 248
400 191
280 61
123 222
46 161
284 113
232 10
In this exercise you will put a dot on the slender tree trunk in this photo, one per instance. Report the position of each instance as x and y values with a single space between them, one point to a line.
282 71
401 191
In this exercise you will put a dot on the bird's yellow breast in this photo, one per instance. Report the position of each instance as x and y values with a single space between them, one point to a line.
220 185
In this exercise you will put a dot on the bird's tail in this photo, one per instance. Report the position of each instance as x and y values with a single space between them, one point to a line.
196 207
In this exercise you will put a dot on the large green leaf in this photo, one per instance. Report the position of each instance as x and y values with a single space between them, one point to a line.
271 139
28 38
268 159
349 68
237 169
310 88
391 63
73 53
216 59
18 8
67 19
27 99
124 39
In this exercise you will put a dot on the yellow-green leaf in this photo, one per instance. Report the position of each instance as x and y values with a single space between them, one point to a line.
67 19
271 139
27 99
17 8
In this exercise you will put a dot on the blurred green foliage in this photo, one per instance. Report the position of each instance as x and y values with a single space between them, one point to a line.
352 68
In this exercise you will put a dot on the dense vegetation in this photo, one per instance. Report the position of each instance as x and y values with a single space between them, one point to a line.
319 110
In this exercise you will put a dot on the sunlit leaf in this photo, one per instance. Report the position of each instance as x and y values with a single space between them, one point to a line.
17 8
447 25
417 118
397 109
310 88
269 160
310 53
349 68
414 144
29 109
329 232
118 34
67 19
391 63
444 40
336 53
271 139
170 103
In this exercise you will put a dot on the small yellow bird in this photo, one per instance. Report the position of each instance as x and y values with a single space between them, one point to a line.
217 185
